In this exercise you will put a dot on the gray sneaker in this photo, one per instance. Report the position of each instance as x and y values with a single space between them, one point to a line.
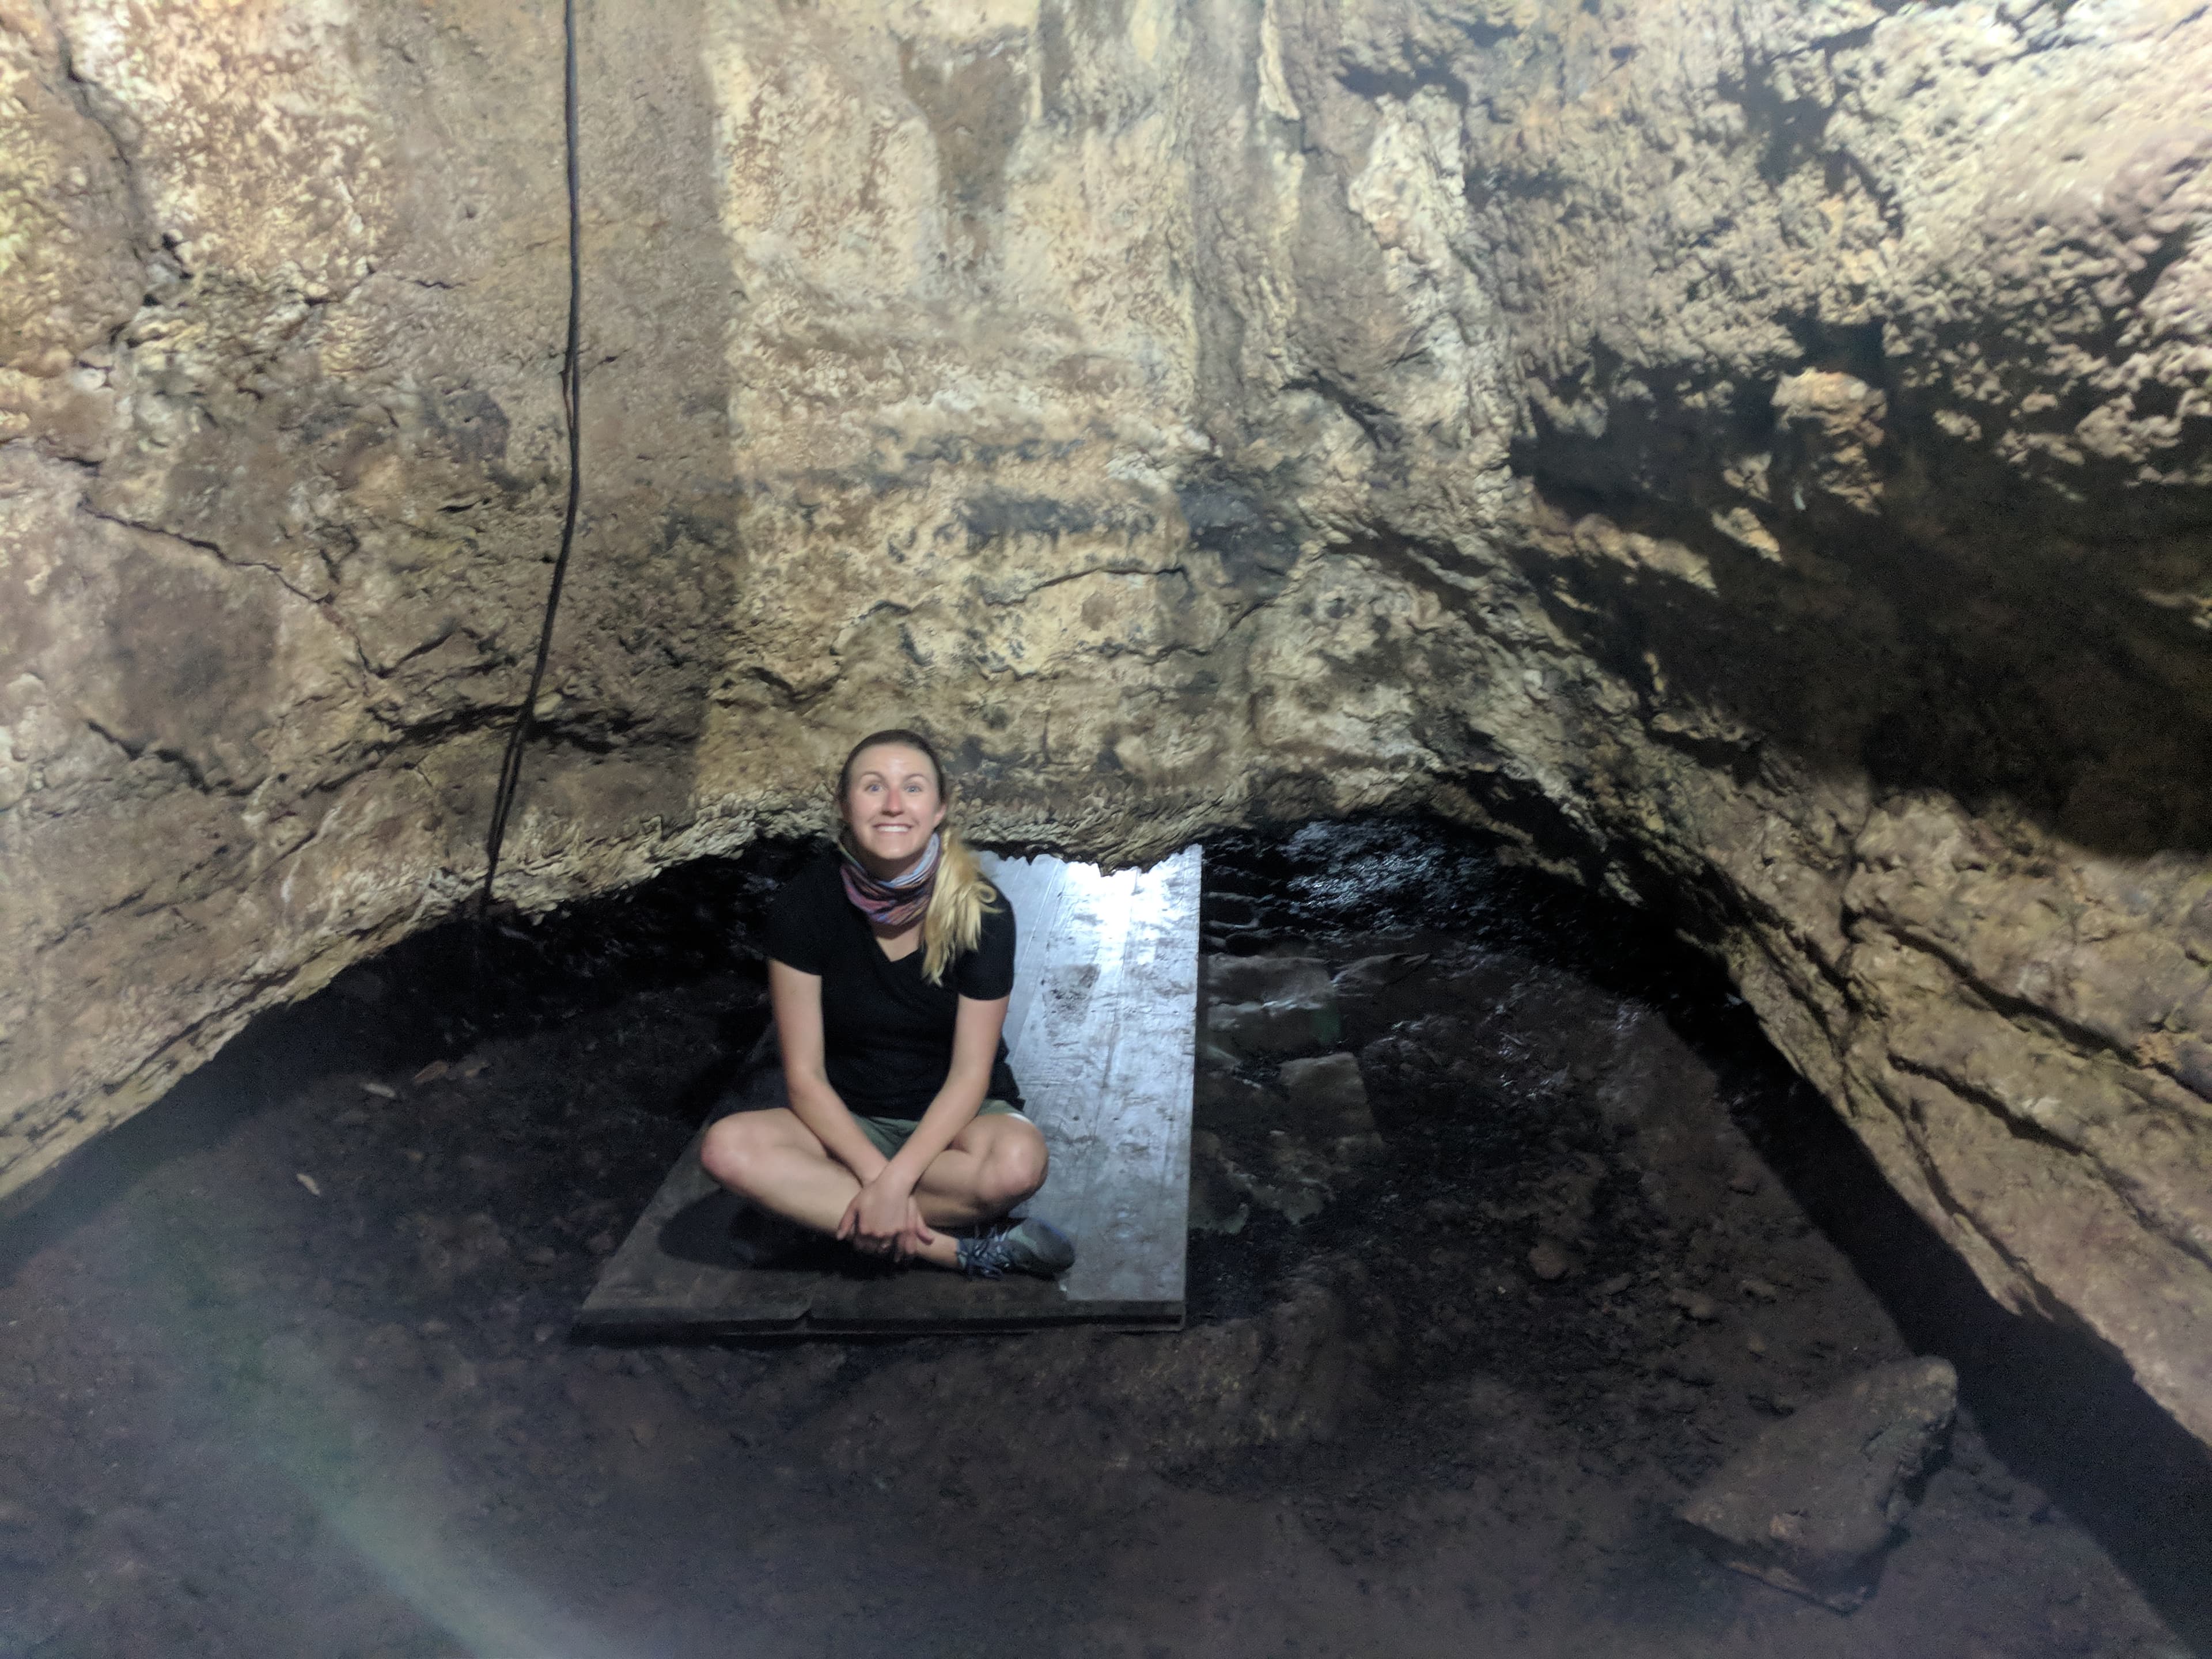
1022 1247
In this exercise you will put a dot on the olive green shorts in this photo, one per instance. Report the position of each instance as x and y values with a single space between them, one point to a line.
889 1133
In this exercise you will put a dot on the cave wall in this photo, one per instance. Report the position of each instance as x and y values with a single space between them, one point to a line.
1755 456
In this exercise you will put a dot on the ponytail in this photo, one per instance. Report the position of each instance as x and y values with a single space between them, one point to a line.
954 922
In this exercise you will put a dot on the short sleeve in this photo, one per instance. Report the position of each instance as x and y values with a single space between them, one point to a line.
987 972
794 927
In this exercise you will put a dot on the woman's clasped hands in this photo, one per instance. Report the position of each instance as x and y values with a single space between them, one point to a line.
884 1218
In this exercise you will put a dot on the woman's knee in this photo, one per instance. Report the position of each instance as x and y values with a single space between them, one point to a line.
735 1149
1015 1166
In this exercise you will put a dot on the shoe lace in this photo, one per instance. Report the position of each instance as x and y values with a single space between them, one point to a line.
988 1255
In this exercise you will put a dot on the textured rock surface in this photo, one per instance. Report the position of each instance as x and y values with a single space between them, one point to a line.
1756 454
1810 1505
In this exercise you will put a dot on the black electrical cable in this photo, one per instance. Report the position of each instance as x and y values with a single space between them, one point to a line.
572 400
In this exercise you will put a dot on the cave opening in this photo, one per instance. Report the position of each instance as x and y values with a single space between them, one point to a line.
291 1351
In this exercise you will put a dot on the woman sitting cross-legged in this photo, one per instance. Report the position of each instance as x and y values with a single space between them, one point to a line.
889 964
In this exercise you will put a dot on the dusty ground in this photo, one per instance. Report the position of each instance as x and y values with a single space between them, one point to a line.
286 1368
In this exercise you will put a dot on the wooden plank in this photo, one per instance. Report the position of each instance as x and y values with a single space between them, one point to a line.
1108 1055
1101 1029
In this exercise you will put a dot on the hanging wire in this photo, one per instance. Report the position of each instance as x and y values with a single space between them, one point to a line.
510 769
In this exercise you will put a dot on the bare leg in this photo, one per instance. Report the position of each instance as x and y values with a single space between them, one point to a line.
774 1159
993 1164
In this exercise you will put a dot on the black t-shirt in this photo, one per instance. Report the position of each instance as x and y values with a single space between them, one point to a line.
886 1032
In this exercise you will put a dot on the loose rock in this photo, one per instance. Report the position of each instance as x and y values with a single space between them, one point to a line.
1696 1304
1811 1504
1265 979
1328 1095
1548 1261
1259 1030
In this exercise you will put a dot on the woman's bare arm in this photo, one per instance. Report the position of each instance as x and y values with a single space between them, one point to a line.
797 1000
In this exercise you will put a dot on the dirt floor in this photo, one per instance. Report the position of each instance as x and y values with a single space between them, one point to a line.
287 1369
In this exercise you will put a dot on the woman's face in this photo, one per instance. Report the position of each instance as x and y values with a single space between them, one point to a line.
892 804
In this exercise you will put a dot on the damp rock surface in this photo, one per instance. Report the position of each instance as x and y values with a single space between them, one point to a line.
253 1416
1753 455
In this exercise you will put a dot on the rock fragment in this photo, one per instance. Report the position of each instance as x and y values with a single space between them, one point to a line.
1696 1304
1265 1006
1329 1101
1264 979
1371 975
1813 1502
1548 1261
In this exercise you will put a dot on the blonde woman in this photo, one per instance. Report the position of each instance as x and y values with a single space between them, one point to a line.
889 964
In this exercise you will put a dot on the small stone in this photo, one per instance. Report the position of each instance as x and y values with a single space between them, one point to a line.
430 1073
1548 1261
308 1182
1747 1178
1615 1285
1696 1304
1755 1343
540 1255
544 1333
1759 1289
381 1090
602 1244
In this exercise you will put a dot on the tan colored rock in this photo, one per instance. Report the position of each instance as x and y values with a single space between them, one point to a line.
1756 453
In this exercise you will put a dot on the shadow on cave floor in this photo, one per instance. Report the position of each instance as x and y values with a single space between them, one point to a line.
286 1368
437 995
2053 1407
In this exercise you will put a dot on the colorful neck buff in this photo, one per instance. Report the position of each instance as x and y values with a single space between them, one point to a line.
895 903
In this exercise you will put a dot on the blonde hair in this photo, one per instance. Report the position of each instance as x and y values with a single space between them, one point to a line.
953 924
